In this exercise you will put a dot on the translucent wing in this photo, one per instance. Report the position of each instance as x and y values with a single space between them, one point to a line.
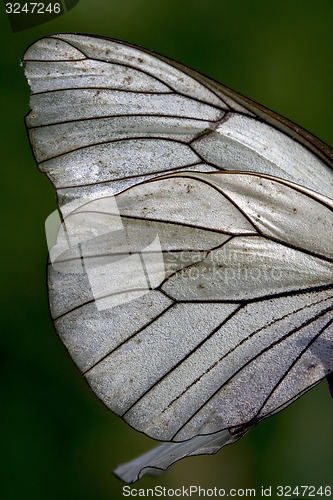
109 114
191 280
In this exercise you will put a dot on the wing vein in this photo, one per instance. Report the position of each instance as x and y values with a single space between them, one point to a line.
129 338
297 358
184 358
278 341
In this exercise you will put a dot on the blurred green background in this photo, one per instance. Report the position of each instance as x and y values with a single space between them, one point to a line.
58 440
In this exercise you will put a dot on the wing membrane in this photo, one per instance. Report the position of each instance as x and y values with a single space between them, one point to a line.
191 280
88 80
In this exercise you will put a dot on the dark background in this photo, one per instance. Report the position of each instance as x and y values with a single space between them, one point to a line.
58 440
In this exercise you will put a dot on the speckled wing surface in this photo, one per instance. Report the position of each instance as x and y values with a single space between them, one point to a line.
191 280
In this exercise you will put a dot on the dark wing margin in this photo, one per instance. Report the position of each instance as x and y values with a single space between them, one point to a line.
298 133
142 103
231 97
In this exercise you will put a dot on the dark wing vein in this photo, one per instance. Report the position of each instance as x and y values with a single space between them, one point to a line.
297 358
127 115
136 176
152 75
279 341
184 358
222 358
111 141
129 338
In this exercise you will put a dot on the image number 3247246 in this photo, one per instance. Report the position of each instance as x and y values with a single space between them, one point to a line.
191 276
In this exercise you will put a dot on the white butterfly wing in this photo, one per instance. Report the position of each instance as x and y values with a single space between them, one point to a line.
109 114
202 302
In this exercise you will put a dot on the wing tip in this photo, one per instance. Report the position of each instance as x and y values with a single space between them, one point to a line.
46 49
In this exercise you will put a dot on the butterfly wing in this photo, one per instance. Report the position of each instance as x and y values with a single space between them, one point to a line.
142 115
179 295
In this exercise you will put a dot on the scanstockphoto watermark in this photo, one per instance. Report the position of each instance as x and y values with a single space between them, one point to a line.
304 491
228 267
235 274
279 491
24 15
122 261
125 258
187 491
